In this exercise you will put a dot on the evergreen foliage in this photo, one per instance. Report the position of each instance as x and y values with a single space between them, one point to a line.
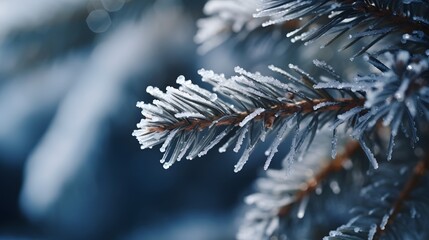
377 110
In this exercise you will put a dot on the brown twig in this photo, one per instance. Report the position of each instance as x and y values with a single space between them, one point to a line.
419 171
334 166
283 110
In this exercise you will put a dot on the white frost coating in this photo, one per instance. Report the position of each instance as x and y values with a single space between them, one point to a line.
241 138
262 79
224 147
324 104
180 79
174 91
185 149
278 70
254 198
349 113
243 159
411 105
392 113
189 115
164 105
249 86
326 66
210 75
139 104
274 146
168 140
296 68
384 221
150 108
302 207
213 97
251 116
167 165
354 87
175 156
369 154
394 131
148 140
263 134
154 91
164 157
214 142
400 93
372 232
272 226
334 144
194 90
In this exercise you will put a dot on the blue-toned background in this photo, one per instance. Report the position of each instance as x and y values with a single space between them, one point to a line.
71 72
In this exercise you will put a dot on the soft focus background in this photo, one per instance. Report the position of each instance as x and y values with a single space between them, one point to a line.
71 72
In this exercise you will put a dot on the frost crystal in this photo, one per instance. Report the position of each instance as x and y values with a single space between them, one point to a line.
324 104
251 116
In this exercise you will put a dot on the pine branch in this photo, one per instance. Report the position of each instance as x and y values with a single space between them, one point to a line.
405 21
361 19
415 179
191 120
275 190
394 205
397 98
286 199
282 110
248 108
311 185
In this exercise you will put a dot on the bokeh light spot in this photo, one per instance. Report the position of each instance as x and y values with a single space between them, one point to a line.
113 5
98 21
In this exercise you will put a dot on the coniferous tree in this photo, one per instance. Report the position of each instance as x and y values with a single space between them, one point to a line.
373 108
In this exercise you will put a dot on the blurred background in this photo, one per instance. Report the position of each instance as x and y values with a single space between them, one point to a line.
71 72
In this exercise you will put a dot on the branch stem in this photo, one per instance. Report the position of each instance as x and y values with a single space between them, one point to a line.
281 110
334 166
420 170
